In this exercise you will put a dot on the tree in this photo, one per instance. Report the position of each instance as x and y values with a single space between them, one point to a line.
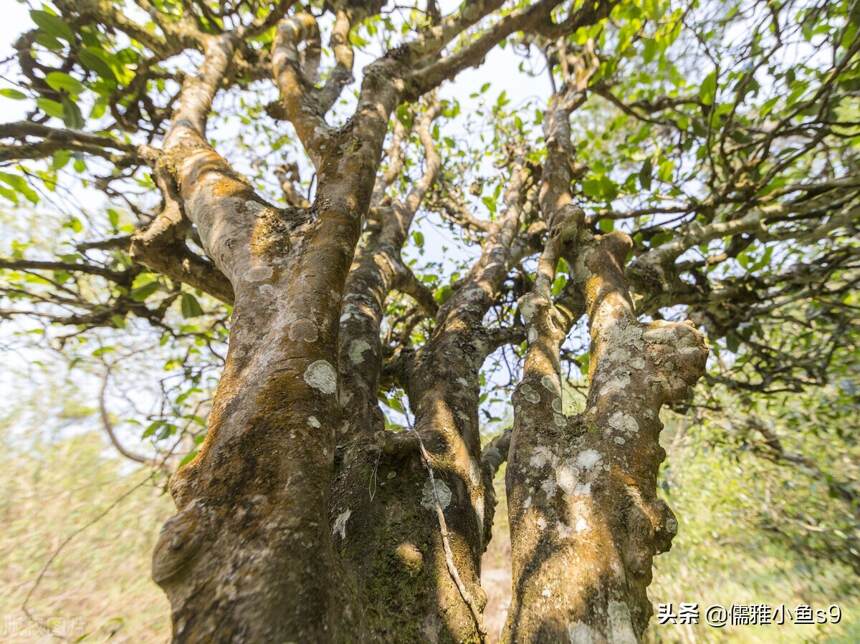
692 160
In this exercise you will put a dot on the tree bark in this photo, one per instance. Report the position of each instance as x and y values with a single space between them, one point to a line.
585 519
249 555
414 583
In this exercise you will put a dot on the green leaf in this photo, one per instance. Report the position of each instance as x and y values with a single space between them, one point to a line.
608 188
490 203
51 108
188 458
60 158
645 174
418 237
97 61
190 306
61 81
11 195
52 25
708 88
20 185
48 42
732 341
404 115
14 94
661 238
606 225
99 108
356 40
72 116
591 188
141 293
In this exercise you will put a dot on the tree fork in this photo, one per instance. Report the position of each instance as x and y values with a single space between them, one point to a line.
585 519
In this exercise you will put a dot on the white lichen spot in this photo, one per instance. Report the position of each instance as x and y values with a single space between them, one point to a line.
564 530
546 592
530 394
313 422
619 440
541 456
623 423
629 337
581 524
357 349
541 523
661 335
619 384
637 363
348 312
580 633
340 523
574 476
442 494
462 382
532 335
587 459
556 405
559 420
322 376
566 477
549 384
304 330
527 308
549 487
620 626
672 525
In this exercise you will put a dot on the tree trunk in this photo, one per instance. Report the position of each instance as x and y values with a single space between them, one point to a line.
585 519
249 555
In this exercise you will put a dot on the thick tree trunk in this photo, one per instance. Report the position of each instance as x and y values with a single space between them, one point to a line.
249 555
585 519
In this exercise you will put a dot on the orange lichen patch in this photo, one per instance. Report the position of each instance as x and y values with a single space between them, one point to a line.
227 187
270 236
410 556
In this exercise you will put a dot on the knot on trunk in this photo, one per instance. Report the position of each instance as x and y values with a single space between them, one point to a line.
650 527
180 539
679 352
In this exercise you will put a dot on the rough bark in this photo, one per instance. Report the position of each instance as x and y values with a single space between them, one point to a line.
302 519
248 557
305 518
585 518
391 538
